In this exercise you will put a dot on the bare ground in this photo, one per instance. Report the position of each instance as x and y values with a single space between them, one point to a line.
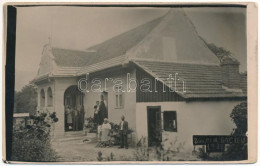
79 151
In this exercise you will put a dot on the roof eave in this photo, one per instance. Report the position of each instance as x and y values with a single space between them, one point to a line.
117 61
223 98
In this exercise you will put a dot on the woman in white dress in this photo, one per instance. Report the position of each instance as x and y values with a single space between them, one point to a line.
105 132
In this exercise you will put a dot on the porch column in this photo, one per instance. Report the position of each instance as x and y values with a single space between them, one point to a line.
38 98
46 98
59 109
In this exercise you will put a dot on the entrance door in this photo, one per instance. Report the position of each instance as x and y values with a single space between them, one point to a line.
154 125
73 109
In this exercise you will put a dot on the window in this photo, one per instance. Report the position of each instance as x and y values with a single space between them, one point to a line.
42 99
119 98
170 121
50 98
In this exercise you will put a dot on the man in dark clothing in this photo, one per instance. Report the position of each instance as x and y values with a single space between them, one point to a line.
75 119
102 114
123 129
81 116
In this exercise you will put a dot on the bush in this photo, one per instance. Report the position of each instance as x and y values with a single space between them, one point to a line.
32 142
91 125
141 152
163 151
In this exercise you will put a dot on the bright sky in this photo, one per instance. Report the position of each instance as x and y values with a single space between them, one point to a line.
82 27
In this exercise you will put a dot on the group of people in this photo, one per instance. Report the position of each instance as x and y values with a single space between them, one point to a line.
74 118
103 126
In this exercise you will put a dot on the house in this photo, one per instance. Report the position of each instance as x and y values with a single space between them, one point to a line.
161 76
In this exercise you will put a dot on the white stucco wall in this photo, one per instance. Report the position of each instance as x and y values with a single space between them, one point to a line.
45 87
114 114
193 118
61 84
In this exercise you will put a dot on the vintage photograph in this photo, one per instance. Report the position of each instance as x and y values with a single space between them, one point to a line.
129 83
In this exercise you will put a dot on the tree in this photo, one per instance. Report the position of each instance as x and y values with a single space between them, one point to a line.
224 55
26 100
239 117
219 51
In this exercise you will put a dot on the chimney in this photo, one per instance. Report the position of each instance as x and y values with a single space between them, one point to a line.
230 72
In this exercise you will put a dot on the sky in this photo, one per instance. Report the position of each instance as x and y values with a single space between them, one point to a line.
82 27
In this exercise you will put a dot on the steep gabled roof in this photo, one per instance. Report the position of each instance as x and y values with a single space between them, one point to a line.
114 47
201 81
146 41
120 44
71 58
175 39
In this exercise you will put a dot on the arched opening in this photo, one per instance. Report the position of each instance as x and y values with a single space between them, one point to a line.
42 99
49 97
74 109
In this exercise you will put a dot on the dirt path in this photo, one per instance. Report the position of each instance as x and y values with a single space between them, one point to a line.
86 151
79 151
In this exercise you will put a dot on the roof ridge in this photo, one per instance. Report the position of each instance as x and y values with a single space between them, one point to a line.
70 49
163 22
128 31
164 61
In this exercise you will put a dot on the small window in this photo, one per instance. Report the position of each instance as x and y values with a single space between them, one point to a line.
42 99
170 121
49 97
119 98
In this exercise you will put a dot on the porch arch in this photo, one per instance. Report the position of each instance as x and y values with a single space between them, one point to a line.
74 109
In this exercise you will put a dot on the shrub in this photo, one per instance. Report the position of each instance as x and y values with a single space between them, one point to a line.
91 125
141 152
163 151
168 148
100 157
32 142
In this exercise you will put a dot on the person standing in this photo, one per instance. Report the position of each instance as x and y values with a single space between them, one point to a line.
105 130
68 117
123 129
99 119
81 117
102 113
75 119
96 114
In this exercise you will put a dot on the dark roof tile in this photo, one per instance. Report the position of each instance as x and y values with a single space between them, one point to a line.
200 80
243 82
71 58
